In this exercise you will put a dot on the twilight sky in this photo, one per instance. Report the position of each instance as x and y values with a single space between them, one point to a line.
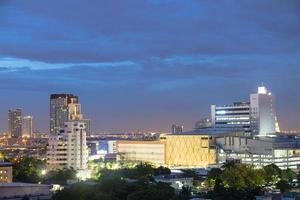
142 65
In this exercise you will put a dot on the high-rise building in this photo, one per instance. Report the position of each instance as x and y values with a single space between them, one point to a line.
177 129
63 108
263 115
15 123
87 126
235 116
68 148
27 126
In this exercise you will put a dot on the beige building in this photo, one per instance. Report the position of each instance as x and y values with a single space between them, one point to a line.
176 150
5 172
144 151
188 151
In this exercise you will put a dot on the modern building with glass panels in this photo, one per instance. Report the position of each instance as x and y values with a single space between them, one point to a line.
283 152
232 116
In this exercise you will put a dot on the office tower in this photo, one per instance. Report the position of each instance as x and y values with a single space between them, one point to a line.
235 116
263 115
68 148
26 126
15 123
63 107
176 129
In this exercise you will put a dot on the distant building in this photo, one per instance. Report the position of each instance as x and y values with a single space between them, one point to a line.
5 172
68 148
235 116
15 123
263 114
27 126
60 112
177 129
203 123
63 108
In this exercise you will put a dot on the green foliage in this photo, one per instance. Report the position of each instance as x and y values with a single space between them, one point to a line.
28 169
288 175
123 184
242 176
61 176
283 186
272 173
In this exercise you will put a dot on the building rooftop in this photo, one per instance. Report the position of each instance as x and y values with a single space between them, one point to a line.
19 184
5 164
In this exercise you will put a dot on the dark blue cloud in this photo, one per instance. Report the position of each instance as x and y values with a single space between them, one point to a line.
140 65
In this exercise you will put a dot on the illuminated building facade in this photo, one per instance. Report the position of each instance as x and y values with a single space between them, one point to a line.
189 151
5 172
15 123
263 115
175 150
283 152
27 126
142 151
68 149
235 116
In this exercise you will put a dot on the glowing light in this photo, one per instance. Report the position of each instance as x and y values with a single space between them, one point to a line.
262 90
221 112
43 172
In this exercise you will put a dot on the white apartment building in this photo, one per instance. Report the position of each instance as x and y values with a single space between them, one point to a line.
68 148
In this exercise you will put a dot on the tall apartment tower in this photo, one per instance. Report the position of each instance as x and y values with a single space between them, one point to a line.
235 116
15 123
263 115
27 126
68 148
62 109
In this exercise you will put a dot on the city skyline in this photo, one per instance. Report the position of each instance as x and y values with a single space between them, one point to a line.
146 68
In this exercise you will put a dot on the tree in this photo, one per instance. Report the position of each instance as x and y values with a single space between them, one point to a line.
272 174
159 191
241 176
288 175
283 186
61 176
28 169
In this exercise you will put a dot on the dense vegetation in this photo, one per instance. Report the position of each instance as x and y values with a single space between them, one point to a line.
240 181
124 184
231 182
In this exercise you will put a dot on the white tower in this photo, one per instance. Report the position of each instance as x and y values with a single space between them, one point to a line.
68 148
263 115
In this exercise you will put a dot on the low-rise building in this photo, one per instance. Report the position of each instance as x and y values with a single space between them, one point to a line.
19 190
143 151
189 151
5 172
174 150
283 152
